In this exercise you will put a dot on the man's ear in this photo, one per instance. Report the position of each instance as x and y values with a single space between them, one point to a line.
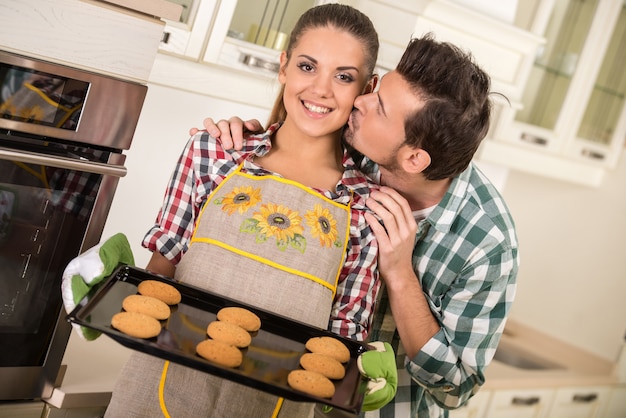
371 85
282 76
414 160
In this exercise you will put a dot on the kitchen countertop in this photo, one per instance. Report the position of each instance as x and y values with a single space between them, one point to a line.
93 367
576 367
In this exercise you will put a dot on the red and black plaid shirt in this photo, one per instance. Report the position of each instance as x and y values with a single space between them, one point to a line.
204 164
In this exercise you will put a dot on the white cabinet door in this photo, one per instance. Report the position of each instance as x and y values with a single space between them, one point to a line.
475 407
522 403
616 407
580 402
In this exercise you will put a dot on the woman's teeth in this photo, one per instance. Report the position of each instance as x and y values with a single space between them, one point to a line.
316 109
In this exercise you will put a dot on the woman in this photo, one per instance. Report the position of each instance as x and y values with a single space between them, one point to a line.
278 225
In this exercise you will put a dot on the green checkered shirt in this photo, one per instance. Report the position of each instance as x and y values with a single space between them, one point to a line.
466 257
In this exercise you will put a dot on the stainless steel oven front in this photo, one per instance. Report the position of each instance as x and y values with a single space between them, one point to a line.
63 133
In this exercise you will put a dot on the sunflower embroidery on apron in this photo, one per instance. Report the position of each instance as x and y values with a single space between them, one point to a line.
268 242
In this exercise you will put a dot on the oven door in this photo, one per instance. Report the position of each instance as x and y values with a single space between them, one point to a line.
54 200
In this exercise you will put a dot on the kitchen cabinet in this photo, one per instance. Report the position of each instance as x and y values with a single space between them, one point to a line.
475 407
616 407
520 403
572 123
580 402
96 36
244 34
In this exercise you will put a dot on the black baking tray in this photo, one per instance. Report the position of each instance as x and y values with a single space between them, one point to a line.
275 349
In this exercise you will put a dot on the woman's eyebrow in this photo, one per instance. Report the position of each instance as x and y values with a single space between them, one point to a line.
314 61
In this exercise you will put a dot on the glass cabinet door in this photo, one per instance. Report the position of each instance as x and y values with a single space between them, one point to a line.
573 103
556 62
606 103
266 23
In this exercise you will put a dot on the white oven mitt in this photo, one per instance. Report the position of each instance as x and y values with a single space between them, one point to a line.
88 269
379 367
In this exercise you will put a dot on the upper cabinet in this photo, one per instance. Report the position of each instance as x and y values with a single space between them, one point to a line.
572 123
558 67
117 37
242 34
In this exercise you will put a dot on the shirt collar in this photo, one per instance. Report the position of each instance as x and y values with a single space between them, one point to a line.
450 206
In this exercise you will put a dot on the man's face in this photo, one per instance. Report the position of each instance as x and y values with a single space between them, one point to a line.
376 125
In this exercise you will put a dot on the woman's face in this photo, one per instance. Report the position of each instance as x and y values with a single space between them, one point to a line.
325 74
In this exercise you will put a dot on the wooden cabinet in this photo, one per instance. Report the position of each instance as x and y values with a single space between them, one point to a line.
572 123
95 36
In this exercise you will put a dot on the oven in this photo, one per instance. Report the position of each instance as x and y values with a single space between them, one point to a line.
63 133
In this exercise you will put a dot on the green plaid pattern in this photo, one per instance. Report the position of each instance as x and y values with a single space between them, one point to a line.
466 257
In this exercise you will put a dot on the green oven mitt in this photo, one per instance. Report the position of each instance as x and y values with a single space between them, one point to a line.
88 269
379 367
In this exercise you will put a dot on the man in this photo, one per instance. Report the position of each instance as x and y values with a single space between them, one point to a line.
448 249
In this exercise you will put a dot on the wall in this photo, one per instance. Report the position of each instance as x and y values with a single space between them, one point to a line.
572 280
161 134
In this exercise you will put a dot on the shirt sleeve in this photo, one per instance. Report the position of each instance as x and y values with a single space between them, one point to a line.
472 315
174 223
358 283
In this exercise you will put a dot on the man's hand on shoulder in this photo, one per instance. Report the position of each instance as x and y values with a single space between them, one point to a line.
230 132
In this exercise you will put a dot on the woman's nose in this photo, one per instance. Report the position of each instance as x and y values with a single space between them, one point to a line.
322 86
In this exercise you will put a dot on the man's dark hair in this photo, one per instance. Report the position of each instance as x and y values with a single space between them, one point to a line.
455 116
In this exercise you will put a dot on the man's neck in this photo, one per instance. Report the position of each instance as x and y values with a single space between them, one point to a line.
419 192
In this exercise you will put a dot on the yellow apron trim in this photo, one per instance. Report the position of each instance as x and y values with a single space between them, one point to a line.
279 405
268 262
293 183
166 414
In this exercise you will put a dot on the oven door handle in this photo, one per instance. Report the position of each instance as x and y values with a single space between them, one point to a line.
63 162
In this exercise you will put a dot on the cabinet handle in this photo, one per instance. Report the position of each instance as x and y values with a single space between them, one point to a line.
253 61
166 37
588 398
533 139
592 154
525 401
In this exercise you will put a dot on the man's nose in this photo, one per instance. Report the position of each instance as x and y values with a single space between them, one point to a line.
362 101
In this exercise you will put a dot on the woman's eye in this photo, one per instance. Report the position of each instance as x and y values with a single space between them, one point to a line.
305 66
346 77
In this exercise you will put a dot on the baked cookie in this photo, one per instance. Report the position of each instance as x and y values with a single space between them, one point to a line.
329 346
323 364
240 316
311 382
224 354
160 290
136 324
147 305
229 333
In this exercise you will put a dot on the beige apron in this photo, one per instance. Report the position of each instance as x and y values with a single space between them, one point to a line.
262 240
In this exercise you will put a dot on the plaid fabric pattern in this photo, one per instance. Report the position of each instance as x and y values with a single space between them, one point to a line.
204 164
466 257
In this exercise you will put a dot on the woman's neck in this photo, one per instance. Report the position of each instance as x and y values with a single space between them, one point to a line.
313 161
